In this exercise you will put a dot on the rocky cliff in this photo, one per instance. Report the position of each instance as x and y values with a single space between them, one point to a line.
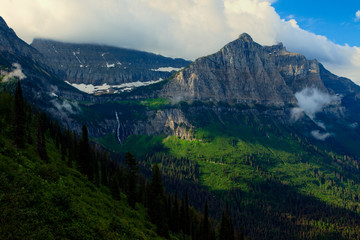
247 73
98 64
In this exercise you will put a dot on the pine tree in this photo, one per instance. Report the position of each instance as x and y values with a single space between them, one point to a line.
205 224
156 203
226 226
40 138
132 178
187 214
85 161
175 214
115 186
19 118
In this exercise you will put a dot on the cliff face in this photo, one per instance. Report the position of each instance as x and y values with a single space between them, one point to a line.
97 64
247 73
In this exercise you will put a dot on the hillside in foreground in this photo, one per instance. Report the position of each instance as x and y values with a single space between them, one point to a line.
51 199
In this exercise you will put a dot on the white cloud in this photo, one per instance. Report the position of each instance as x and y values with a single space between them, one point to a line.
357 16
17 72
312 101
187 28
320 136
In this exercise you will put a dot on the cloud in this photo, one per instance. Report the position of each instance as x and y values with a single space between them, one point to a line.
17 72
187 28
312 100
320 136
357 16
296 113
353 125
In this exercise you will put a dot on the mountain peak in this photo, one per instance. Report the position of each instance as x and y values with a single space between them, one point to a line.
5 27
9 42
245 37
2 22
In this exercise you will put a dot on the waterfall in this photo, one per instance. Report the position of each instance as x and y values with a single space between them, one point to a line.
118 128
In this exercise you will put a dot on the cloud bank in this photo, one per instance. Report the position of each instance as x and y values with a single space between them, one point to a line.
187 28
357 16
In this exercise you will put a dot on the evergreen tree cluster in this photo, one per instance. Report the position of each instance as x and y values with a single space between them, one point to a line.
166 211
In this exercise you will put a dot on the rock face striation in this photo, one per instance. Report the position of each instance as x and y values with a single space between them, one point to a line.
244 72
98 64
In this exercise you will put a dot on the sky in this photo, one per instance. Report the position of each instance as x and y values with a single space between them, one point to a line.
328 31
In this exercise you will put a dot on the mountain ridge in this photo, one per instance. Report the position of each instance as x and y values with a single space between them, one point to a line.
98 64
247 73
10 42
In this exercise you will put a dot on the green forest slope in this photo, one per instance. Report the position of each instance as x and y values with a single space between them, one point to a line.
279 183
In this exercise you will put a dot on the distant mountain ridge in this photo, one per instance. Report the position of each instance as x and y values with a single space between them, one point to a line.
100 64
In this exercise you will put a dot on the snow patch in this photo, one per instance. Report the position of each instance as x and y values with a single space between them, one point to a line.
105 88
110 65
55 49
75 54
166 69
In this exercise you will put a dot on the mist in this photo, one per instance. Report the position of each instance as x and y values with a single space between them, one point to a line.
312 101
15 73
320 136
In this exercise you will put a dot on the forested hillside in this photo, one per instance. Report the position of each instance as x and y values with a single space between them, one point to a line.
57 185
279 183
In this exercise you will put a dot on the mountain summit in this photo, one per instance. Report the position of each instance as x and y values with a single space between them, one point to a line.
245 37
9 42
247 73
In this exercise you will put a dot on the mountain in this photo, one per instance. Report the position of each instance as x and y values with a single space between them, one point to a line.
41 86
97 64
244 72
273 134
262 132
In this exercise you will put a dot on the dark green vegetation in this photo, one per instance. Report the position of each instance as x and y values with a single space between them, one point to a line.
279 182
48 198
57 185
